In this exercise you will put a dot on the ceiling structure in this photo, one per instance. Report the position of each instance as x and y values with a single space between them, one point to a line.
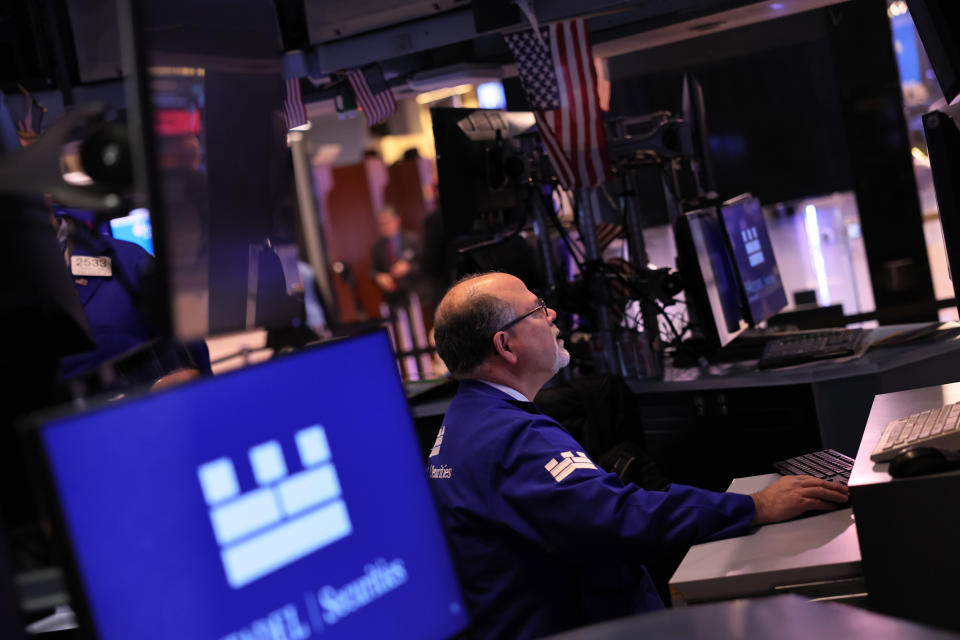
421 38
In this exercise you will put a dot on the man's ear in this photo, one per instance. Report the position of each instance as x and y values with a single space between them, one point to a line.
501 345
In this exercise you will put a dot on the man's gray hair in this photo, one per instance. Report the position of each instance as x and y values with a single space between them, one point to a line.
464 332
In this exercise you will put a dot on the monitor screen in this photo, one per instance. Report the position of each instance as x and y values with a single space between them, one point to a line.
938 23
134 227
275 501
710 281
753 257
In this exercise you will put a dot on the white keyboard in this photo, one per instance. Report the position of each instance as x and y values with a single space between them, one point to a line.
939 427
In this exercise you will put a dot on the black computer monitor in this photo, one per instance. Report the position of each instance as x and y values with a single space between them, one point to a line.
289 495
479 163
943 144
753 256
938 23
205 95
709 278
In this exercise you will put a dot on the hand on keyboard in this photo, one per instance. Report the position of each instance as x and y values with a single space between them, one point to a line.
791 496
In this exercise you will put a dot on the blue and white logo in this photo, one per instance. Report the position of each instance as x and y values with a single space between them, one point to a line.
751 242
286 518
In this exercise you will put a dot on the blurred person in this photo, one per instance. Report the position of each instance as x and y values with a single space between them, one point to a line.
395 259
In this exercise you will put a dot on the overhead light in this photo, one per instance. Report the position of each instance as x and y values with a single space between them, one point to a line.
776 6
442 94
897 8
78 178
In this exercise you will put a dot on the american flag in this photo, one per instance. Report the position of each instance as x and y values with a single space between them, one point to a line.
560 81
294 111
372 92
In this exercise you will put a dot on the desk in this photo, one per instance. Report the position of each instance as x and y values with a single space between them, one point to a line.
909 527
817 556
756 417
784 618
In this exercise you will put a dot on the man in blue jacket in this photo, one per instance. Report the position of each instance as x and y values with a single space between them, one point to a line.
543 539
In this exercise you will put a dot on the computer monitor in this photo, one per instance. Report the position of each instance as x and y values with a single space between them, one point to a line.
938 23
943 144
710 284
288 496
204 108
695 114
753 256
134 227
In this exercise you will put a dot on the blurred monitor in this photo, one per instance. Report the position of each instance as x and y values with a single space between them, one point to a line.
250 506
755 263
710 281
943 143
938 23
695 114
479 164
134 227
216 169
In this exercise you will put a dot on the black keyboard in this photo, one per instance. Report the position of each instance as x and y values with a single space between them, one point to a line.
810 346
827 465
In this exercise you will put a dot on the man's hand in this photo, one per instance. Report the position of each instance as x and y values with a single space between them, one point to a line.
385 282
790 496
399 269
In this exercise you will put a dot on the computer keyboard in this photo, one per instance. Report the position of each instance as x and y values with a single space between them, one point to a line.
938 427
809 346
827 464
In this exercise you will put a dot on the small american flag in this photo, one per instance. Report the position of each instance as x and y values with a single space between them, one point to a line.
294 111
372 92
560 81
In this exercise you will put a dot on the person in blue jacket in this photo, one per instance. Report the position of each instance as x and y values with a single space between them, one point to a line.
112 277
543 539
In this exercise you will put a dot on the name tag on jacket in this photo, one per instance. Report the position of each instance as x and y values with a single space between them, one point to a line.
91 266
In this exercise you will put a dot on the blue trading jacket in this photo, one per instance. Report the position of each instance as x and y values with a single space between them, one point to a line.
114 309
116 321
542 538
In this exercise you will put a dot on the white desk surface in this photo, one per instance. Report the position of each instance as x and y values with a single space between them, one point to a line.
812 549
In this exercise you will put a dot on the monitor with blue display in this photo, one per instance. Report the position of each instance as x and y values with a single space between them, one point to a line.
753 257
288 499
134 227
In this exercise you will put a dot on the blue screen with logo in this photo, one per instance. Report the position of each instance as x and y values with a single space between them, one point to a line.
753 256
287 500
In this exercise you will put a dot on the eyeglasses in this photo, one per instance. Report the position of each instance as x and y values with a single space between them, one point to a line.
541 306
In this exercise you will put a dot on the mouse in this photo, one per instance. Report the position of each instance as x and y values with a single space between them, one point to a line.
919 461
